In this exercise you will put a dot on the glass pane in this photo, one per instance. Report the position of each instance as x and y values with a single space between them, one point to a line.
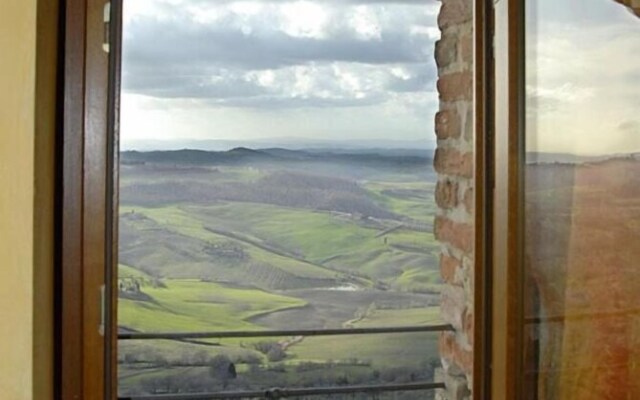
276 174
582 243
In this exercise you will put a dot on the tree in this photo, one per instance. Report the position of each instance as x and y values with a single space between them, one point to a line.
222 369
276 354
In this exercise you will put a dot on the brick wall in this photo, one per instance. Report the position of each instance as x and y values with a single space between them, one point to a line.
453 162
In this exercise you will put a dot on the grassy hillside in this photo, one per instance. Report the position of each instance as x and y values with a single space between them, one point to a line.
191 305
169 242
275 240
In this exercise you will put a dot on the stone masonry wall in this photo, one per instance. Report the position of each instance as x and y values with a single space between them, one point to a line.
453 225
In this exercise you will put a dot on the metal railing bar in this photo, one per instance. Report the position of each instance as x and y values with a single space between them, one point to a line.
282 333
279 393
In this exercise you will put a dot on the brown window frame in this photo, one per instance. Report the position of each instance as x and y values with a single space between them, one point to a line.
88 207
508 319
483 96
507 294
84 361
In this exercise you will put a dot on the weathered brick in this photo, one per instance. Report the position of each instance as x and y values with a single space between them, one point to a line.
448 267
455 86
446 50
466 48
467 324
447 193
456 387
469 127
455 12
464 359
446 344
453 301
453 162
459 235
447 124
469 200
453 353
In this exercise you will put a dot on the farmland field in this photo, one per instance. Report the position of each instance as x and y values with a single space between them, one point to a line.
276 239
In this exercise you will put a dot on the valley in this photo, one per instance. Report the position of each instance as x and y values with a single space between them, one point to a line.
276 239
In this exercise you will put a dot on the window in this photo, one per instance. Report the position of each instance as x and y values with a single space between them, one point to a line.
282 219
581 199
283 224
254 264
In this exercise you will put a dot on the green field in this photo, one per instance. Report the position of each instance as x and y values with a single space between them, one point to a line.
190 305
234 254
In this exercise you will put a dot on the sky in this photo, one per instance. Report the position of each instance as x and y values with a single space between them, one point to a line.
583 77
363 70
356 70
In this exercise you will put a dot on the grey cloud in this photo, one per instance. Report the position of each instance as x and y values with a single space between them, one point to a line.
324 88
165 43
423 77
631 127
174 85
178 58
286 102
589 13
233 88
349 2
632 81
539 103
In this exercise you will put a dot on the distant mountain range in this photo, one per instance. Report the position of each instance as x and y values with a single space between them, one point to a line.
372 157
244 155
567 158
288 143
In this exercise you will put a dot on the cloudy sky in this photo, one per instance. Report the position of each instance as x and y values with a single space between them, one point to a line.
583 77
363 69
247 70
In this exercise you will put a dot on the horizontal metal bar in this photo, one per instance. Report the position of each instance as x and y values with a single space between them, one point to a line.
256 334
278 393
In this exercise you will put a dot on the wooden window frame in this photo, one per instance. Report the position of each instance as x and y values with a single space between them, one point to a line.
86 358
508 320
483 97
85 332
506 274
507 294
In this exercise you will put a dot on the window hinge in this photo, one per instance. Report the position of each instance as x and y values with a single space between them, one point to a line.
107 31
101 328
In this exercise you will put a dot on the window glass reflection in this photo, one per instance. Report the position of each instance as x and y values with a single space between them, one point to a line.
582 243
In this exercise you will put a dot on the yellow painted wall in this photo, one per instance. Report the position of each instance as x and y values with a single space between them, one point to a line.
27 128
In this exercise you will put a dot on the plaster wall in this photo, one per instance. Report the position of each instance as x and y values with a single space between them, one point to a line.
27 130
